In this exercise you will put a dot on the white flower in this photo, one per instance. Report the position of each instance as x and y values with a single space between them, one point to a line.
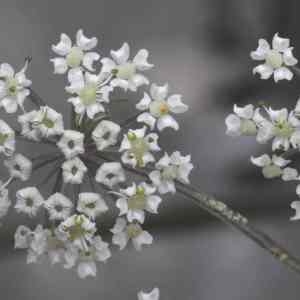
29 200
135 200
4 201
296 206
170 168
22 237
110 174
160 108
48 122
38 244
73 56
106 134
91 204
271 168
73 171
71 143
98 251
58 206
7 139
283 127
241 123
123 232
79 230
289 174
125 70
13 87
19 167
89 92
276 59
28 129
153 295
137 147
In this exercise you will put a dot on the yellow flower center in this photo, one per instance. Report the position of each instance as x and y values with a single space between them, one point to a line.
274 59
3 138
88 95
133 230
137 201
12 87
159 108
125 71
75 57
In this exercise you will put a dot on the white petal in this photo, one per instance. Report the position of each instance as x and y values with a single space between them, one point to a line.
121 204
289 174
120 239
264 70
298 190
144 238
60 65
159 92
121 55
176 105
261 161
261 51
119 225
64 45
140 60
148 119
289 58
6 70
85 43
279 43
153 203
136 81
107 65
283 73
279 161
153 295
296 205
89 59
10 105
245 112
136 215
233 123
144 102
118 82
93 109
167 121
87 268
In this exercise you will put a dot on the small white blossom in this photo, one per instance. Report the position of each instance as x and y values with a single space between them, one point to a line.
289 174
271 167
170 168
29 200
71 143
160 108
89 92
137 147
153 295
13 87
48 122
73 171
58 206
241 123
123 232
277 59
91 204
124 70
110 174
4 201
73 56
28 128
106 134
19 167
22 237
79 230
7 139
135 200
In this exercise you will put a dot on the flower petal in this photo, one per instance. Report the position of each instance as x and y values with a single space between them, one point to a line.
261 161
85 43
121 55
89 59
144 102
140 60
159 92
176 105
261 51
279 43
296 206
283 73
60 65
63 47
264 70
167 121
289 58
147 118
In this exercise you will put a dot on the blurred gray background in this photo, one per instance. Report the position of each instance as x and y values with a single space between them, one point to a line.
201 47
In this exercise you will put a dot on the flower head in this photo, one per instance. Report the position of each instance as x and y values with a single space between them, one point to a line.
71 143
28 128
160 108
91 204
137 147
73 170
106 134
110 174
58 206
7 139
124 70
277 59
74 56
14 87
169 169
135 200
123 232
89 92
29 200
19 167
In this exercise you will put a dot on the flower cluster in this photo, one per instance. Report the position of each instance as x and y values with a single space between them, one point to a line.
94 158
279 127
